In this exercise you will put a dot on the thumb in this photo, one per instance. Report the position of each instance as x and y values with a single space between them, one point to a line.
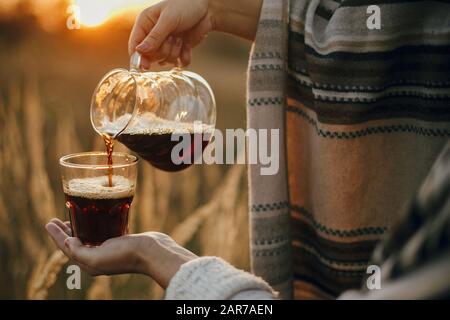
157 35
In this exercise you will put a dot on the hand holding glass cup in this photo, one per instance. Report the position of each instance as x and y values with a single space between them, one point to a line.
96 210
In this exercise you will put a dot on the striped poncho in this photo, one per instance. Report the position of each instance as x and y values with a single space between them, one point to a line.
363 112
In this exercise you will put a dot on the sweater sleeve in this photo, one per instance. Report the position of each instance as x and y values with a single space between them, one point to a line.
211 278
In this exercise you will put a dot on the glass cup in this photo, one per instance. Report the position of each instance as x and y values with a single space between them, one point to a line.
97 211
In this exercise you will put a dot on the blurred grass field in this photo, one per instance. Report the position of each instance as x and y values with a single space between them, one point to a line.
46 82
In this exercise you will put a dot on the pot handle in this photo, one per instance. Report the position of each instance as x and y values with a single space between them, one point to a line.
135 61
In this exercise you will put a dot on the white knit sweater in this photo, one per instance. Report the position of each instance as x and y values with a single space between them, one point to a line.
211 278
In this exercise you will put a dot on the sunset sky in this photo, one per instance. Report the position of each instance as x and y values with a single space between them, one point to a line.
96 12
91 13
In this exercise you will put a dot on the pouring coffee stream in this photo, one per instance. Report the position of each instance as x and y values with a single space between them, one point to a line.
109 144
143 110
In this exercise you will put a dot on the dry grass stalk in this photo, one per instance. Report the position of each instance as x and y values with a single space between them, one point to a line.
2 137
42 196
211 177
14 144
100 289
45 275
4 217
29 240
14 160
163 182
184 232
225 222
157 292
238 248
147 199
66 137
189 190
5 223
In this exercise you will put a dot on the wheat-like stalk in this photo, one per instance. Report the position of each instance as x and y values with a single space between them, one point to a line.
4 218
13 139
187 229
164 183
184 231
14 178
2 137
67 140
5 223
100 289
147 199
45 275
238 248
189 190
211 176
42 196
217 232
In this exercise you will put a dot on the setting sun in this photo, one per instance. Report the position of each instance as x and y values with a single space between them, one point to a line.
94 13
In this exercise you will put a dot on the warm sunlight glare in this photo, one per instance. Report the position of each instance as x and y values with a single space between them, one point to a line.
93 13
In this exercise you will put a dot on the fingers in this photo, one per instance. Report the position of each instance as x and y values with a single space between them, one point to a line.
145 21
165 50
156 24
113 256
175 51
169 52
157 35
66 243
58 236
88 258
145 63
185 57
65 226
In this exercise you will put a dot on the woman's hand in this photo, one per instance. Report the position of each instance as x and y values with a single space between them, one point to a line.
167 31
152 253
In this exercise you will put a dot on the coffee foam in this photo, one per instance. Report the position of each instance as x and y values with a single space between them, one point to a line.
98 188
148 123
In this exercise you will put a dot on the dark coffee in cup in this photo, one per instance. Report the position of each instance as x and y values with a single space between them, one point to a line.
156 148
153 139
97 211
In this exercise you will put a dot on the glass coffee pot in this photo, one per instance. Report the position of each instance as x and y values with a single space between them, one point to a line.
152 112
